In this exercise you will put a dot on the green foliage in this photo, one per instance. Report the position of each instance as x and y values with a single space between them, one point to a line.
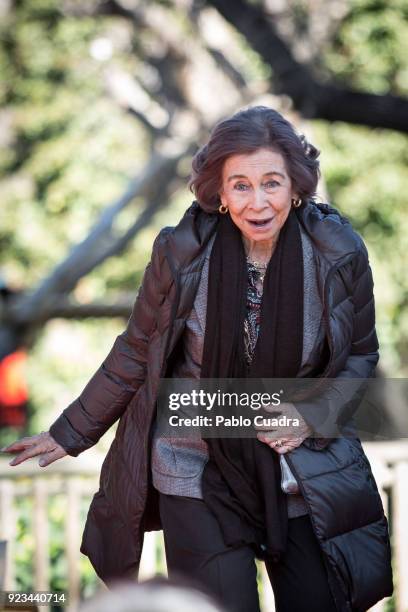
70 149
370 48
25 547
365 169
365 175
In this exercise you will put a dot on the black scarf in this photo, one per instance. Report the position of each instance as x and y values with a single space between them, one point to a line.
241 480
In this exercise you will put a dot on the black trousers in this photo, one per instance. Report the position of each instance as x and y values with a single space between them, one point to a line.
195 548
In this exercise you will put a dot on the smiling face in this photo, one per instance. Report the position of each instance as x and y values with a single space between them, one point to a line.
258 191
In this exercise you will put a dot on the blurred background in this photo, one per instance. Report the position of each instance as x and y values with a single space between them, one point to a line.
103 104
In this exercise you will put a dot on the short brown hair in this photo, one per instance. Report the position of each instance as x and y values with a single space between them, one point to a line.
247 131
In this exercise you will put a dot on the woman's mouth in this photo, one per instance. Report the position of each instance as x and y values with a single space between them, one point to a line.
260 223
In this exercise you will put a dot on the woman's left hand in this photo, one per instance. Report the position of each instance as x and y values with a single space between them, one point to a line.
284 439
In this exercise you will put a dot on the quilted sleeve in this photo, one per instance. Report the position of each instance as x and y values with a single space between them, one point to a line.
123 371
336 405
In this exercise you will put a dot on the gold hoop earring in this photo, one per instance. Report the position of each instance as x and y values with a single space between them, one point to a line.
223 209
297 203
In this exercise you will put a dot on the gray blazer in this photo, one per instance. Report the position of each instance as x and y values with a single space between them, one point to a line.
178 463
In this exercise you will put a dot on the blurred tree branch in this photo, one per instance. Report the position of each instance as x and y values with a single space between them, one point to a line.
102 241
65 308
312 98
27 311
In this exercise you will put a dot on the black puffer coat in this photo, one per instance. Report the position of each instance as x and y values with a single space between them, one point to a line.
335 477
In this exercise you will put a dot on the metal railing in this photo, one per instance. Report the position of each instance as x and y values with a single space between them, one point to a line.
78 478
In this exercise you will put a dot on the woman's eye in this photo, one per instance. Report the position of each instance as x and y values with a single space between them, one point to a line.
271 184
240 186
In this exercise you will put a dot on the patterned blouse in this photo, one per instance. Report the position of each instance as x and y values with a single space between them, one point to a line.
253 313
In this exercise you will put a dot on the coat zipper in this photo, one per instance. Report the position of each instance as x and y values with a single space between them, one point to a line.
329 276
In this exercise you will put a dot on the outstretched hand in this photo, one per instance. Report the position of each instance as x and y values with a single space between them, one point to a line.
42 444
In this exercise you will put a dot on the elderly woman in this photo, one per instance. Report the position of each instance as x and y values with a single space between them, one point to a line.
257 280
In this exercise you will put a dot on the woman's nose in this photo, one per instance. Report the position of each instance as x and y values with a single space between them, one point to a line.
259 197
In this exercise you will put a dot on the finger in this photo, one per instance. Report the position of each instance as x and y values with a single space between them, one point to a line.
42 445
25 442
285 406
289 440
272 440
292 442
288 434
18 445
38 444
47 458
272 411
282 441
27 454
281 450
266 436
285 448
264 427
